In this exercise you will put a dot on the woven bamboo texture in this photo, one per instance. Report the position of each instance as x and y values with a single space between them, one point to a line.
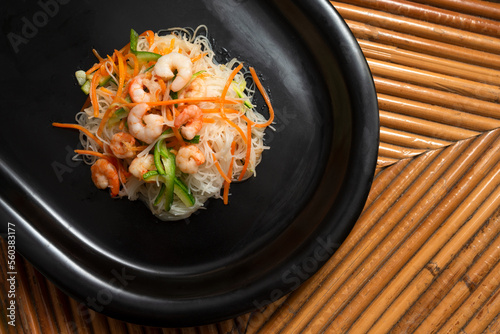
424 256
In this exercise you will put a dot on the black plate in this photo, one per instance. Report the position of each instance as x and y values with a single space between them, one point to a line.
278 229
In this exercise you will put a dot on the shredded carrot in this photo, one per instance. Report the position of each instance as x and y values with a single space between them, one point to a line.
109 112
115 69
93 68
229 174
121 73
249 148
217 110
171 47
106 91
221 172
92 93
198 57
230 80
94 153
163 86
125 49
208 120
178 136
136 62
81 128
242 134
266 98
150 36
96 54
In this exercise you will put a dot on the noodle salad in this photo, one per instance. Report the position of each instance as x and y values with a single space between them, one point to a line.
164 122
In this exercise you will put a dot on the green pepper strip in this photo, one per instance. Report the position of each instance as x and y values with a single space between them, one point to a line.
165 165
144 56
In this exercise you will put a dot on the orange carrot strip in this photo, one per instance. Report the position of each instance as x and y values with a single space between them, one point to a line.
121 73
136 62
171 47
217 110
92 93
94 153
96 54
242 134
150 36
109 112
220 169
115 69
229 174
198 57
208 120
249 148
178 136
81 128
93 68
230 80
266 98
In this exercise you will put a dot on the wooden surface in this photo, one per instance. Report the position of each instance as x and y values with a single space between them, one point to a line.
424 257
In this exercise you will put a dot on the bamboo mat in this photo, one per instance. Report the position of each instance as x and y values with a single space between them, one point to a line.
424 257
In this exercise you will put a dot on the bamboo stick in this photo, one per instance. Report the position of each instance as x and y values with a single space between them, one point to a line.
382 179
82 325
423 45
424 127
437 114
486 314
385 161
398 152
436 81
432 14
494 326
430 63
41 303
439 98
208 329
406 139
438 250
470 306
435 32
354 272
461 290
451 275
405 243
337 263
487 9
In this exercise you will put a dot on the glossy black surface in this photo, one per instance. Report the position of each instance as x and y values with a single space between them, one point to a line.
278 229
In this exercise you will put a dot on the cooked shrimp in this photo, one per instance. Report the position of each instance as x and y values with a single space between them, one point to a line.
191 121
189 158
138 87
141 165
104 175
197 88
144 127
166 65
123 145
